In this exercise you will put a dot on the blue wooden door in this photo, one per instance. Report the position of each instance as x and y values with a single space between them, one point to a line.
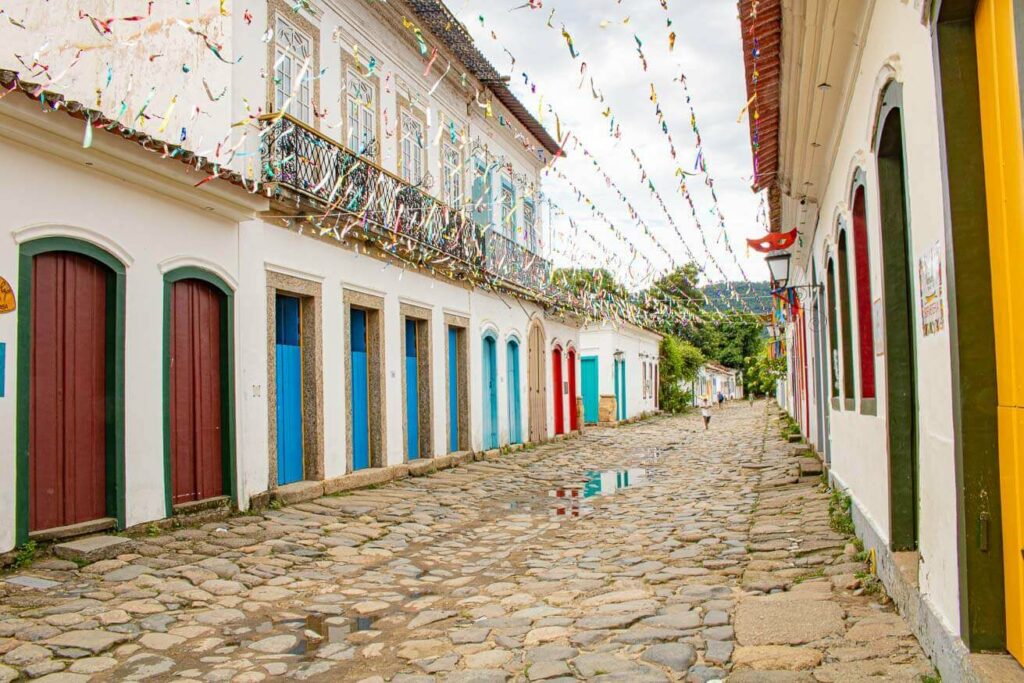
453 389
490 412
620 389
288 379
412 398
360 391
515 411
591 391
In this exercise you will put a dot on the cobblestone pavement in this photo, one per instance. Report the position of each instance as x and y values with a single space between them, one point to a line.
696 556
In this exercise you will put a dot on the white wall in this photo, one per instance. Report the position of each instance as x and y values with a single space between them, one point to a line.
898 44
150 233
638 346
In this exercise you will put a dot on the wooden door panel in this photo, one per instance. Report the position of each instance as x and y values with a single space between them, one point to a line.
195 372
68 411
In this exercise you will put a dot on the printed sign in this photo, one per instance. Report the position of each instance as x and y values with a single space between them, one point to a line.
3 368
7 303
929 274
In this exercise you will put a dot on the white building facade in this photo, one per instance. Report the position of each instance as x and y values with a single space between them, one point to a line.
285 307
619 372
889 314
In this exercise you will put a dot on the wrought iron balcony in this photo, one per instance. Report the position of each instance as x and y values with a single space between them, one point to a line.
374 200
355 192
511 261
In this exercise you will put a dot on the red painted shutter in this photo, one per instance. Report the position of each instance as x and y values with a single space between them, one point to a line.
196 447
68 397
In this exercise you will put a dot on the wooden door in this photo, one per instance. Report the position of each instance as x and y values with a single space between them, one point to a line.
70 384
453 389
490 382
289 389
537 385
360 390
515 415
197 464
591 393
412 397
557 393
574 417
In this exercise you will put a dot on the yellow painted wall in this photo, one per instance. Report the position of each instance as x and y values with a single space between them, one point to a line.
1004 185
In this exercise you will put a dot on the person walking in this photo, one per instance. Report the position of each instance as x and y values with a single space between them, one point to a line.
721 399
705 411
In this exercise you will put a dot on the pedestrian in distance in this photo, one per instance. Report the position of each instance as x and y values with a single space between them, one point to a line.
705 411
721 399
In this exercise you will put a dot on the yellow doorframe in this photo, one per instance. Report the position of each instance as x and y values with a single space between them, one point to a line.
1003 143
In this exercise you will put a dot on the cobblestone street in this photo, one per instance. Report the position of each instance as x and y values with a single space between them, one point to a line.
695 556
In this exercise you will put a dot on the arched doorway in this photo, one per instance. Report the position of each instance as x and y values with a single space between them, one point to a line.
490 387
515 411
900 358
70 386
537 378
574 417
556 385
198 391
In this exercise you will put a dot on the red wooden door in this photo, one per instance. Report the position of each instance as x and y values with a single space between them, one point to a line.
68 396
556 369
196 446
574 418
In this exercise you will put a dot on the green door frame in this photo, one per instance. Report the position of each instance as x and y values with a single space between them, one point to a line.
971 328
900 321
227 378
115 374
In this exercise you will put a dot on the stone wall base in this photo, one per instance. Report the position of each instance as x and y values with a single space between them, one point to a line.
898 572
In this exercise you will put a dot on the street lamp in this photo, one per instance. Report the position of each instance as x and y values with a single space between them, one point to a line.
778 265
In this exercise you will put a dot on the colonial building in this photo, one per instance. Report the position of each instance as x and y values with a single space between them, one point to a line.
279 251
888 135
619 371
713 379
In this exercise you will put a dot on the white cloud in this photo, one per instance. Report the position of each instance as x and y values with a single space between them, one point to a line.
708 49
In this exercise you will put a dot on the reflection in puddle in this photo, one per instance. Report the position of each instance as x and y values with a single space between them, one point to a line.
334 629
571 509
603 483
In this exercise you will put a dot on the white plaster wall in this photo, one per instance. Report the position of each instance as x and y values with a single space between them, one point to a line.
899 43
151 233
638 346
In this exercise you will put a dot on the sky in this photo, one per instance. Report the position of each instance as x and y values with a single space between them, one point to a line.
709 51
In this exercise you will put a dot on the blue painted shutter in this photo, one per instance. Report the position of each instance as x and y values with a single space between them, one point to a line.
453 389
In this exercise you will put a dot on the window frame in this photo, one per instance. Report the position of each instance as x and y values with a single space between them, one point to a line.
408 112
278 52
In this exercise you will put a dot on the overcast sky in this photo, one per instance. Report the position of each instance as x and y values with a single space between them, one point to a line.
707 49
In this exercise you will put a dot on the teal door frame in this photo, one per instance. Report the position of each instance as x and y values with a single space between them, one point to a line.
591 389
515 410
620 389
490 391
412 397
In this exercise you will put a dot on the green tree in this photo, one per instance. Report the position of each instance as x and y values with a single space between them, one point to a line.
727 339
594 281
762 371
679 362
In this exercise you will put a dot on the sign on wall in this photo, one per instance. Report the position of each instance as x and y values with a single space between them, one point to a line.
7 303
929 274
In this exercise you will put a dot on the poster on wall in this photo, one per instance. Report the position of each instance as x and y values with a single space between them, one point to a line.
7 303
879 327
929 274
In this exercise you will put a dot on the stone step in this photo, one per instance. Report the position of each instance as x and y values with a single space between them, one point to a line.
92 548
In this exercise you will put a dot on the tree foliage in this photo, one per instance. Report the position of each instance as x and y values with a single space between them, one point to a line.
678 363
762 371
728 340
591 280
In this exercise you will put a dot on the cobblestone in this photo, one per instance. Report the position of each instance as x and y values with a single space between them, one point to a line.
699 555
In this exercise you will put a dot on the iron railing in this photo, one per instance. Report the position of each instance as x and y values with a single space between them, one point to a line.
376 201
511 261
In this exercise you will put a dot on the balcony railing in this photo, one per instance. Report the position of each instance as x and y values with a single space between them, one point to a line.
511 261
341 182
